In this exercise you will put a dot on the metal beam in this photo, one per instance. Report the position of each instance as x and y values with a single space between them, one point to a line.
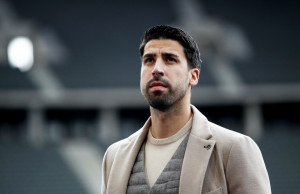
131 97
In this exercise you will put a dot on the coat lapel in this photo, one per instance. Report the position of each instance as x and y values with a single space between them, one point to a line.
197 155
124 161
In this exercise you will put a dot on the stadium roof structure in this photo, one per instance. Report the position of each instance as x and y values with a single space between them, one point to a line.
89 50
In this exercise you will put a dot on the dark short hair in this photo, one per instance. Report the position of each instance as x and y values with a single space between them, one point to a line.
191 49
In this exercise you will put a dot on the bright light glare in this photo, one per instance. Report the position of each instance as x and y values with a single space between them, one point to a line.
20 53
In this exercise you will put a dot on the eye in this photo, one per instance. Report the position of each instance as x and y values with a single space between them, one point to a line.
148 60
171 59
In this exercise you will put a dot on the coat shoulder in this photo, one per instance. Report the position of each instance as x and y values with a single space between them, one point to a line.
221 134
227 139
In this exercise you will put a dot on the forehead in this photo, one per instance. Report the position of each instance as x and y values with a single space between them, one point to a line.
164 45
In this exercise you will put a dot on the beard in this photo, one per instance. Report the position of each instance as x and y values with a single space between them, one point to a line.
161 100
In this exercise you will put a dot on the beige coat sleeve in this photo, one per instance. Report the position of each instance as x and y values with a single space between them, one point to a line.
104 174
106 166
246 171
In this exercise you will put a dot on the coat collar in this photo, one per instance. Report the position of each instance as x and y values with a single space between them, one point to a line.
200 125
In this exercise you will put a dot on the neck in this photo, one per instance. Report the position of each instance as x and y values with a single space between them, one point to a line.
167 123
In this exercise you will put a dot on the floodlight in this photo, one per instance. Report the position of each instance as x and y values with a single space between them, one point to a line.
20 53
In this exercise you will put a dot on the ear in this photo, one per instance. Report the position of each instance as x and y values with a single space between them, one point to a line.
194 76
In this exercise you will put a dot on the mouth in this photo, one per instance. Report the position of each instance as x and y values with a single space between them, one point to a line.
157 85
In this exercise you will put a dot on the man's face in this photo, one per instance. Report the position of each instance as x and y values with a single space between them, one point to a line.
165 77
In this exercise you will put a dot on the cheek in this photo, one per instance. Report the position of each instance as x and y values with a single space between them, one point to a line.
181 78
146 72
143 77
179 75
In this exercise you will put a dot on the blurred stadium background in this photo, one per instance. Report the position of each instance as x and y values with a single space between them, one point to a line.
69 83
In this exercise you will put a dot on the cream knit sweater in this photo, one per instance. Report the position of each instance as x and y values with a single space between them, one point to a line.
158 152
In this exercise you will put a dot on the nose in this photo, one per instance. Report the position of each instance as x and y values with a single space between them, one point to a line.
158 69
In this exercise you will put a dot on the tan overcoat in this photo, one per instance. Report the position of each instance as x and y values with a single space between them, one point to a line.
217 160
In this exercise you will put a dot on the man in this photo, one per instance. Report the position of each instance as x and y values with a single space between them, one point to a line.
178 150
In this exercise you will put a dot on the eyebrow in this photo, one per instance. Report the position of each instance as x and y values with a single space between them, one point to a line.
149 55
170 55
163 54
